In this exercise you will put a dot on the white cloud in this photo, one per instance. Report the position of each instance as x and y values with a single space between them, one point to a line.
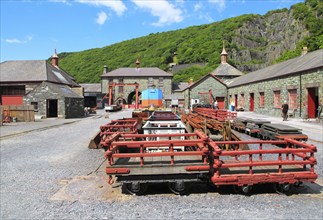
115 5
206 17
220 4
13 41
67 2
16 41
166 12
198 6
59 1
102 17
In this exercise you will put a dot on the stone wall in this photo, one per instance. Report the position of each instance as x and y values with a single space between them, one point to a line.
74 107
46 91
165 86
300 82
204 85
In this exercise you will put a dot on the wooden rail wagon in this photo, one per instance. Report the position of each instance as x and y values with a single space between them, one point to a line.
122 126
164 122
206 162
279 131
253 126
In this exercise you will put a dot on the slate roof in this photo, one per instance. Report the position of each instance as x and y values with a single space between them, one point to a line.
204 77
173 96
92 87
312 60
34 71
180 86
138 72
63 90
226 69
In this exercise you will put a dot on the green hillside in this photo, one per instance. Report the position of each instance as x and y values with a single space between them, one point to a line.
247 49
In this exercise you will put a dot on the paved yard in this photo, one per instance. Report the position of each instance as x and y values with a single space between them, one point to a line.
47 172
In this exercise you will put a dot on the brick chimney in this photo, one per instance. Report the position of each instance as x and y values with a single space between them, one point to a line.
137 63
304 51
55 59
105 69
224 56
190 81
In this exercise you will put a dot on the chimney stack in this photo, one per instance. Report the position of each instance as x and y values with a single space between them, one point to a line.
55 59
304 51
137 63
190 82
224 56
105 69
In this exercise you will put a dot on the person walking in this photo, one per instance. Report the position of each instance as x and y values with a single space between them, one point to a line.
285 110
319 111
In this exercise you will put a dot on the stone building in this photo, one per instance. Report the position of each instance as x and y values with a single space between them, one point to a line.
214 82
146 77
225 71
51 91
200 90
299 81
92 95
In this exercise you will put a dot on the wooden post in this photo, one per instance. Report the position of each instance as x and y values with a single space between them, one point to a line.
137 104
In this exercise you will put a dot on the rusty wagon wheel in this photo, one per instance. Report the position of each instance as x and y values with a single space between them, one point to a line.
177 187
283 189
246 189
136 188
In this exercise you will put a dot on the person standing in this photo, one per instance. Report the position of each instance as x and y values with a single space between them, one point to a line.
233 106
216 105
285 110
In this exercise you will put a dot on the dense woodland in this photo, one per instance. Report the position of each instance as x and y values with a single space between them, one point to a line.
203 44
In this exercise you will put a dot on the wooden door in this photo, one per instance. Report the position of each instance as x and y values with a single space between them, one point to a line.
221 102
312 102
251 102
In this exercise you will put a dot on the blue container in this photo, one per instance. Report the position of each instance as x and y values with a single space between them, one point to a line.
152 94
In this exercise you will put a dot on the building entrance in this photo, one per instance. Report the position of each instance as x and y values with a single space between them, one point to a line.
312 102
51 108
252 102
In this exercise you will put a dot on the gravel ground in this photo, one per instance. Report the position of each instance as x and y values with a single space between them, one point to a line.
51 174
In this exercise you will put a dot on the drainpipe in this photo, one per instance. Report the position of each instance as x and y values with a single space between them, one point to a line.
300 94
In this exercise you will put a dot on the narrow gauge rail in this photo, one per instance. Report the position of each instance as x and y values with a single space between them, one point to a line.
122 126
203 159
206 161
264 130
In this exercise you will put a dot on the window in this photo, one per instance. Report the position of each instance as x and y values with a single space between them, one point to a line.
261 99
110 80
150 81
12 90
120 89
35 104
292 95
277 99
242 100
160 80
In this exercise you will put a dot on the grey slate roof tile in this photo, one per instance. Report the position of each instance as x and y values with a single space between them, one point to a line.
312 60
138 72
34 71
91 87
225 69
180 86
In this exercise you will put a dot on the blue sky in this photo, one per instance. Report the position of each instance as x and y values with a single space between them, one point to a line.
31 29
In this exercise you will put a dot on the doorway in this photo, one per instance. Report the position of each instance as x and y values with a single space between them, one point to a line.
236 101
221 102
252 102
312 102
51 108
